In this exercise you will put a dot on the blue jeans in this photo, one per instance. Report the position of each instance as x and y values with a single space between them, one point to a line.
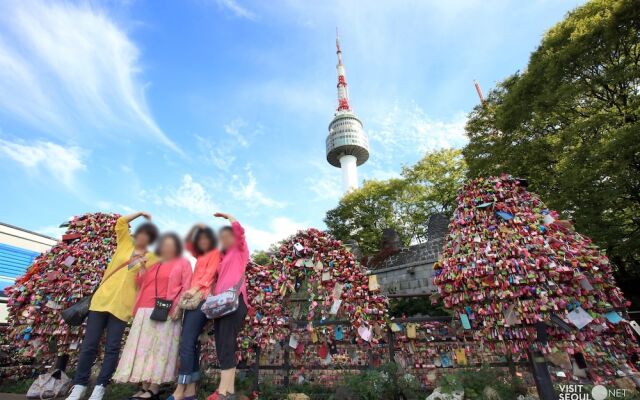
97 323
192 325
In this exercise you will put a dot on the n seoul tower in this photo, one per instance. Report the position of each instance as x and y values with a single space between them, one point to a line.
347 144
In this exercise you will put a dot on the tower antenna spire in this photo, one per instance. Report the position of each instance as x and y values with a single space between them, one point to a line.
343 91
479 91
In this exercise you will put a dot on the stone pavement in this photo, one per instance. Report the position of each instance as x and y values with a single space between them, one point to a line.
12 396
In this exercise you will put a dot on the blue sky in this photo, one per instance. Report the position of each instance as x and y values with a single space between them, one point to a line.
185 108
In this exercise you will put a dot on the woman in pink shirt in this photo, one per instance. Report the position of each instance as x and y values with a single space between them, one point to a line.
235 256
151 351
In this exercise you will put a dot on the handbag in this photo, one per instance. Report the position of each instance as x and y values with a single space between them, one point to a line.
219 305
49 385
162 306
75 314
192 302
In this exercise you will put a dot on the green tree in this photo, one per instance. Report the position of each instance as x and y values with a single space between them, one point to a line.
403 204
261 257
570 123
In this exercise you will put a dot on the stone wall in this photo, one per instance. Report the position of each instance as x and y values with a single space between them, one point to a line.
409 271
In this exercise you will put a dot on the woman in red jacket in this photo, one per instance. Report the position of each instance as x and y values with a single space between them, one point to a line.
202 243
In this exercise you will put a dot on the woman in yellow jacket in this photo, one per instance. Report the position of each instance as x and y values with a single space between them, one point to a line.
112 304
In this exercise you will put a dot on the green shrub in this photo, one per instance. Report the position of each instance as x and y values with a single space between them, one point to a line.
473 382
386 382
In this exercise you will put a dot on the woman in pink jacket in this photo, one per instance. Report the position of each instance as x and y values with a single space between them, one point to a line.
235 256
150 354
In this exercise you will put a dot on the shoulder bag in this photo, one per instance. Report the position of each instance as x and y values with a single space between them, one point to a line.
162 306
219 305
76 314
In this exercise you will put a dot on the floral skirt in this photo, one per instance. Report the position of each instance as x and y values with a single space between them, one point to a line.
151 351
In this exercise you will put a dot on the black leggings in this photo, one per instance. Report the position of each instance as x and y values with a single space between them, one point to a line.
227 329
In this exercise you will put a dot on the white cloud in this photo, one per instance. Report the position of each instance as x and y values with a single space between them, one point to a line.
308 97
233 129
219 156
51 230
192 197
236 9
406 130
109 206
221 151
62 163
66 68
246 190
326 183
383 174
279 228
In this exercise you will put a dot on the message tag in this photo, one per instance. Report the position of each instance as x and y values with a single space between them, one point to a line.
579 317
461 356
613 317
585 284
69 261
373 283
339 333
335 307
635 327
411 331
465 321
504 215
337 291
365 333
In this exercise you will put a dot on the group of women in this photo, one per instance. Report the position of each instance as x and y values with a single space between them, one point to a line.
142 284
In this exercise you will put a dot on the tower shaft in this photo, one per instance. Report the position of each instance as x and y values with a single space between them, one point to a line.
348 165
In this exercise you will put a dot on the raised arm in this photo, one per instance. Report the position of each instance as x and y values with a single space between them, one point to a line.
122 224
138 214
238 231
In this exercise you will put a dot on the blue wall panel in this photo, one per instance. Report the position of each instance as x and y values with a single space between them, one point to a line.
14 262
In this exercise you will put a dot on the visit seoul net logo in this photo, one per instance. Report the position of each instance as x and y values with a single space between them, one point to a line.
598 392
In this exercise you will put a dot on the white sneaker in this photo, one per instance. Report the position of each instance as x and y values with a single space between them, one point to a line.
77 392
98 392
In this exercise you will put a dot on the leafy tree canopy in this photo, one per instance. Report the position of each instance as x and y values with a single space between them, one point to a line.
403 204
570 123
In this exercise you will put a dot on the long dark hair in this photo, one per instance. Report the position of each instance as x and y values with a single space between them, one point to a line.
176 241
209 234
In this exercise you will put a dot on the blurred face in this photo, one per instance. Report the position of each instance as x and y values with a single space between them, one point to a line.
226 239
168 249
203 243
142 240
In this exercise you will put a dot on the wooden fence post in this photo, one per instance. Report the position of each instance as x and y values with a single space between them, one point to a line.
286 365
391 344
